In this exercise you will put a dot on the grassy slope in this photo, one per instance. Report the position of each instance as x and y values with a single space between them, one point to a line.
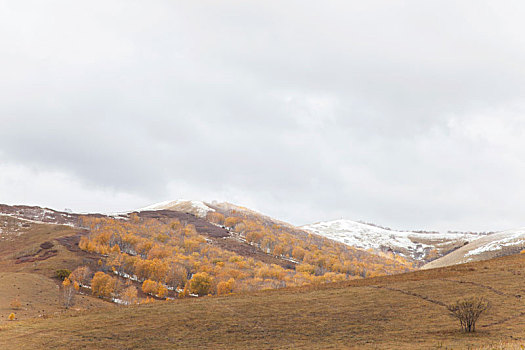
460 256
402 311
22 238
32 282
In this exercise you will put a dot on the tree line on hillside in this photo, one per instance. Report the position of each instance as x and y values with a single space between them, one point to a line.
314 252
171 258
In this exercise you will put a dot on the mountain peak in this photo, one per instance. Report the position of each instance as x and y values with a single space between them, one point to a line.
197 208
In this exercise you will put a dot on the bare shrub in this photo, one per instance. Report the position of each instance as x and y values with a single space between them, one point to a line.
468 310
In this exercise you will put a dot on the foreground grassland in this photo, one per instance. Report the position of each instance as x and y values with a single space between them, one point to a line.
394 312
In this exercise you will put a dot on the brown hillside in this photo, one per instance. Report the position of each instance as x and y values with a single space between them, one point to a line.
30 253
394 312
36 242
491 246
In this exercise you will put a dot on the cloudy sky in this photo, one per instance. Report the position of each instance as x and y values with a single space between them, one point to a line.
409 114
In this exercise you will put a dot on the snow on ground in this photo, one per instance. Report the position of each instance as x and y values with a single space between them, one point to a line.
200 208
119 301
499 240
161 205
35 221
486 247
367 236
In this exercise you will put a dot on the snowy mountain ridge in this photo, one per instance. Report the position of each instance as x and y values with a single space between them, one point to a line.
198 208
416 245
497 244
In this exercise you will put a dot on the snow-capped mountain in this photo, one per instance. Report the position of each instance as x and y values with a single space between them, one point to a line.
491 246
197 208
419 245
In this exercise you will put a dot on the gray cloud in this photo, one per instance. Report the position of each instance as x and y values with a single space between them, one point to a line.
407 114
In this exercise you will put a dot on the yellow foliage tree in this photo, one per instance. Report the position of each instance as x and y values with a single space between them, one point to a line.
201 283
225 287
130 295
154 288
67 293
176 276
81 275
149 287
216 218
103 285
162 291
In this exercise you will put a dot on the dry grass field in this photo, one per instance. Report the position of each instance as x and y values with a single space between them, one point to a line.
39 248
395 312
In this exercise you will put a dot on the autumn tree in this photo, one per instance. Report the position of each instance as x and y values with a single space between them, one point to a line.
186 291
176 276
81 275
149 287
67 293
103 285
201 283
231 221
468 310
216 218
305 268
225 287
154 288
130 295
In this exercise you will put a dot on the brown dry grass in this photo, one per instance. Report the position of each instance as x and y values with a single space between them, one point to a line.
20 241
38 296
395 312
33 283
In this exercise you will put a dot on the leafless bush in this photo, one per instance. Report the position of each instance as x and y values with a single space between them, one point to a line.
468 310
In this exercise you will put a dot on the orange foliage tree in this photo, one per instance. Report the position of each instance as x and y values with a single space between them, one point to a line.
103 285
201 283
130 295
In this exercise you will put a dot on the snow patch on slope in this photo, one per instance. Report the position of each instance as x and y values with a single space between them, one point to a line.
365 236
487 247
36 221
499 240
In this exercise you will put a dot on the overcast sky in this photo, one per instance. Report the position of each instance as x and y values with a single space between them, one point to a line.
409 114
